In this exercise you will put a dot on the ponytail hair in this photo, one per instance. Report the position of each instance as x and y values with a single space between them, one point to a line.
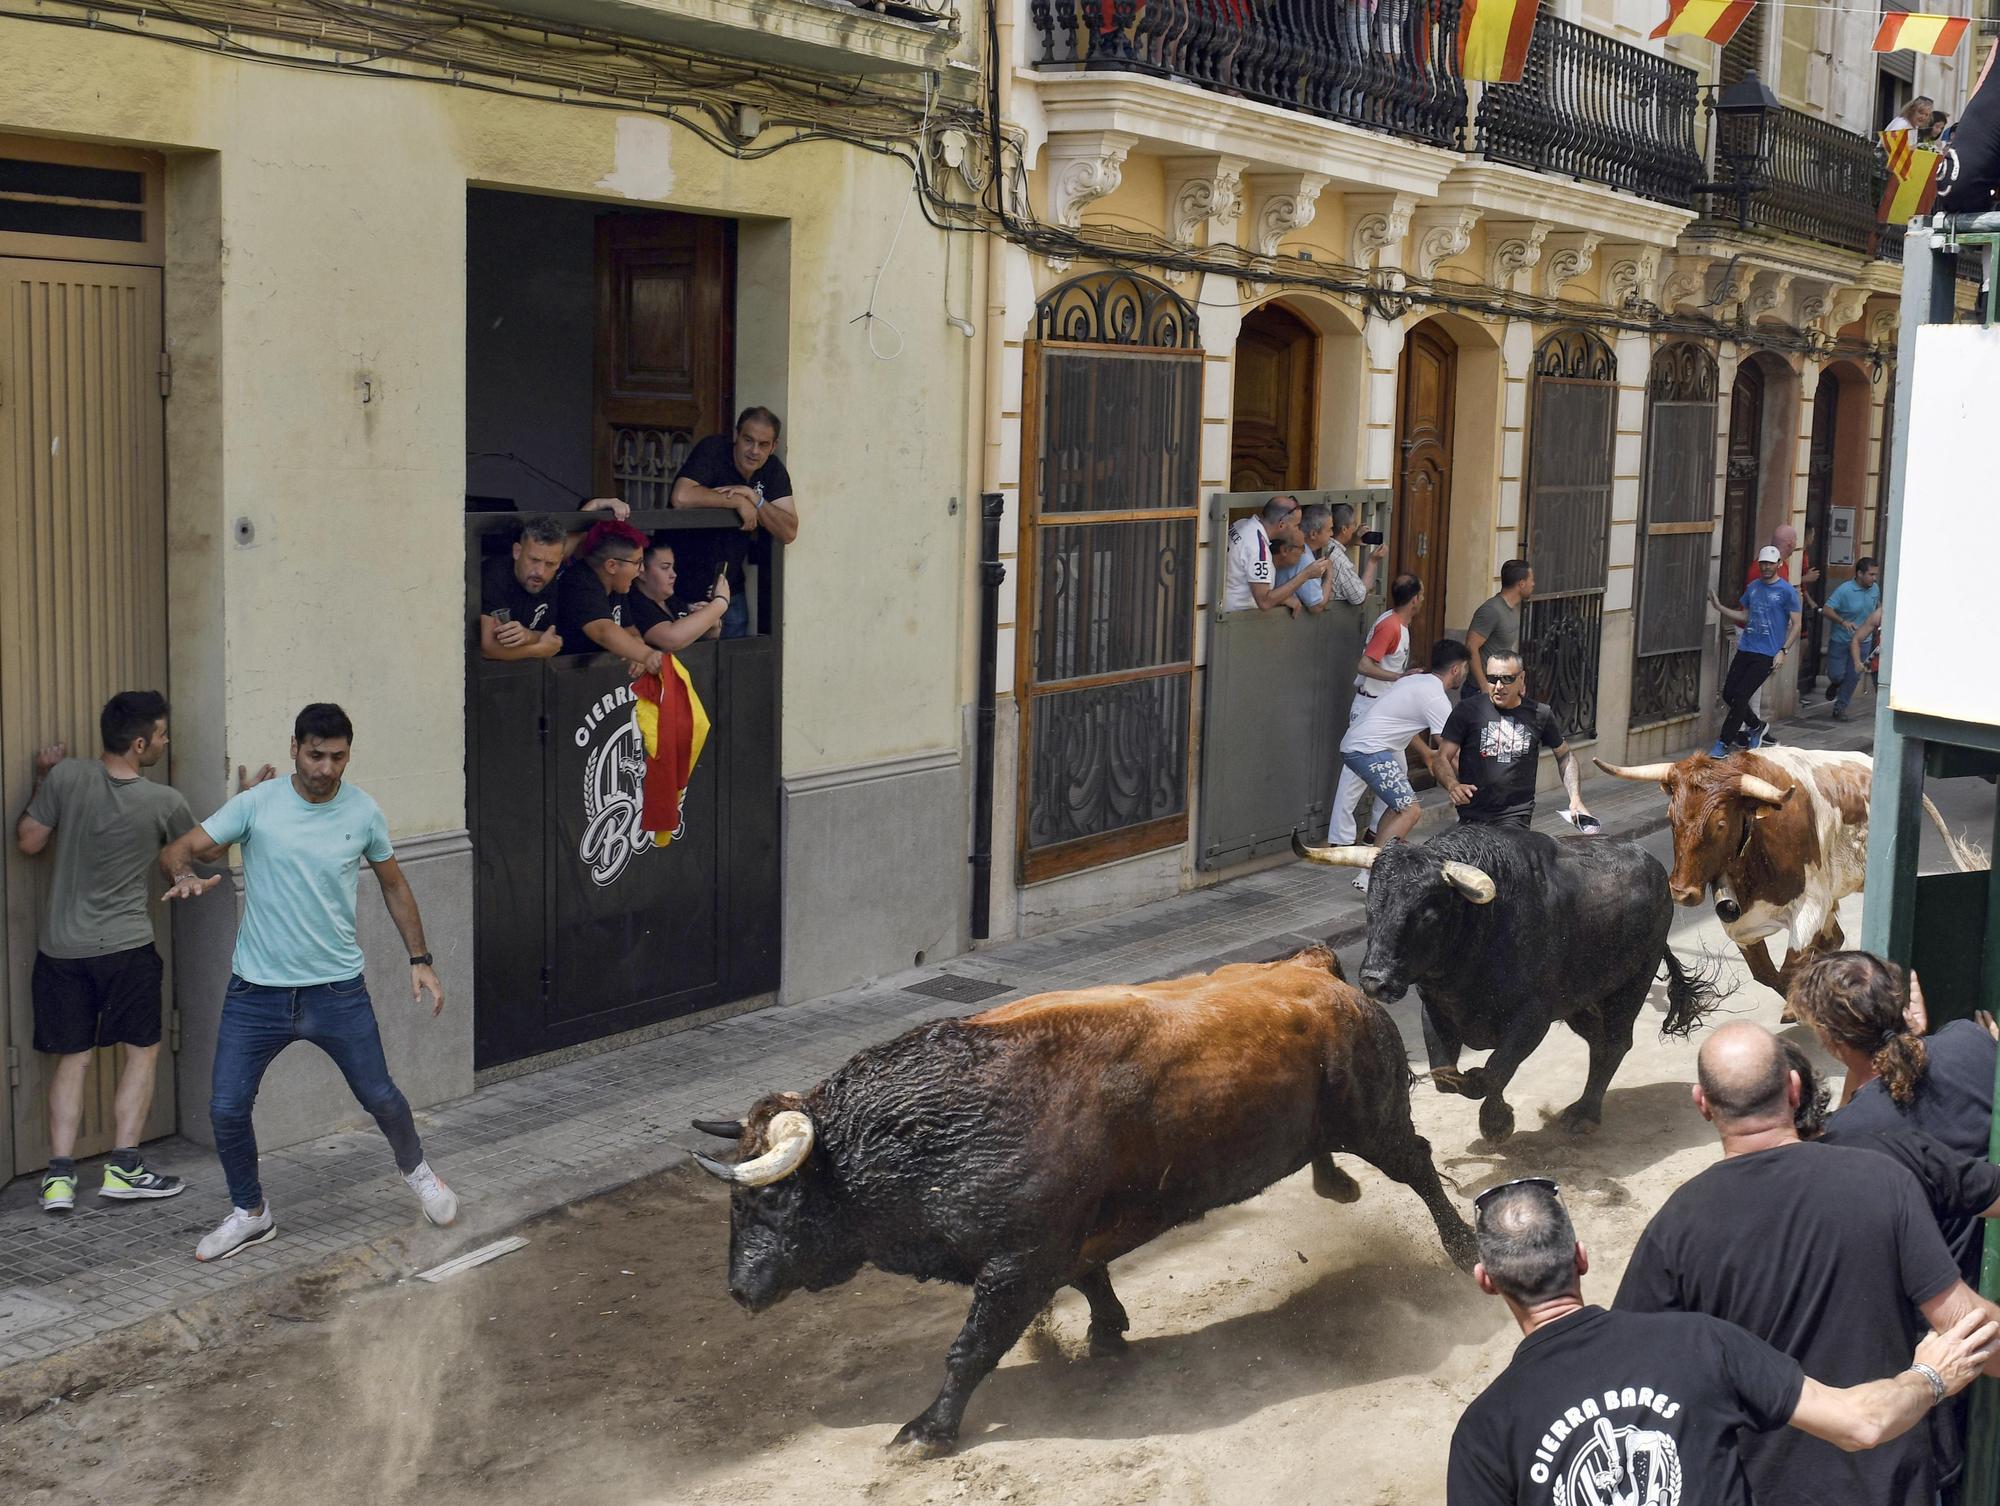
1859 1000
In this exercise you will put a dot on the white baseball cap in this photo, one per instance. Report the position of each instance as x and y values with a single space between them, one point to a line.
1769 555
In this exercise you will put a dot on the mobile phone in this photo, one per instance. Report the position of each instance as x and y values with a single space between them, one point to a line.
1372 537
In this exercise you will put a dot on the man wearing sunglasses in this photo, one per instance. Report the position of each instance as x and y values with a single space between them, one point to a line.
1645 1409
1492 743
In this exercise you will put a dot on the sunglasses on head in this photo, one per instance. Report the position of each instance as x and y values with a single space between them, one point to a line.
1548 1184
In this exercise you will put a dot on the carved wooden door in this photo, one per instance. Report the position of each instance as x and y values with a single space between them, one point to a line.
1423 476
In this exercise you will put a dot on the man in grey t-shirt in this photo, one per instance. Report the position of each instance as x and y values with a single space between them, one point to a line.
97 977
1497 623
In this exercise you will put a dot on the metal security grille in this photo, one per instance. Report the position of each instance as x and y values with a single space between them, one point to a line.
1106 661
1569 522
1679 526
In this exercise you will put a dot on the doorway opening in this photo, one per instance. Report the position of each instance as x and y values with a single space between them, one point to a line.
1426 391
1274 438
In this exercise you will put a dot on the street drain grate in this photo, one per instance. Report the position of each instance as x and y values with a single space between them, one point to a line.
958 990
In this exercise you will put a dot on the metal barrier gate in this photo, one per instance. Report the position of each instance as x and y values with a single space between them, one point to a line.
1275 695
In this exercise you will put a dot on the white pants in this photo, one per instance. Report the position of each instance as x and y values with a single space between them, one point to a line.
1350 787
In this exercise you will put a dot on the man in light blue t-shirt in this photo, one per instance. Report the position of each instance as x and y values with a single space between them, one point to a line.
1847 609
1769 618
296 974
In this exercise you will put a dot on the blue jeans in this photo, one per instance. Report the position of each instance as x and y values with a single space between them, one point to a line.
736 616
258 1023
1841 678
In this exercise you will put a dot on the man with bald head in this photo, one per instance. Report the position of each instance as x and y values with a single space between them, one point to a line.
1829 1253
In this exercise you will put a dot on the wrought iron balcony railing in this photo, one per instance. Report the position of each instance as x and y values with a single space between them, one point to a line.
1592 108
1815 179
1391 66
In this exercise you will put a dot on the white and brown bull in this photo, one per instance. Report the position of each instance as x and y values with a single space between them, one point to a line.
1782 837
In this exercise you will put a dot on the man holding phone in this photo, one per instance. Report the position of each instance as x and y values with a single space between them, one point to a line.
1344 584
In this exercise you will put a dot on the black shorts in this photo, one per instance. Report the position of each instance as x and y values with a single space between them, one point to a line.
81 1002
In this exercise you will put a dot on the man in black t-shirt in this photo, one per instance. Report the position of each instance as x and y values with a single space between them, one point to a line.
1492 743
745 475
1649 1409
516 606
590 597
1828 1253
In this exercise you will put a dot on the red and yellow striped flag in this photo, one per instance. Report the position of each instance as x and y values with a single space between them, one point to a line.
673 726
1716 20
1912 179
1493 38
1918 31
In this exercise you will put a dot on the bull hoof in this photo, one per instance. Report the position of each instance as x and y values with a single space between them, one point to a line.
1448 1079
1473 1084
1462 1249
1578 1120
1330 1182
921 1439
1106 1343
1788 1018
1496 1120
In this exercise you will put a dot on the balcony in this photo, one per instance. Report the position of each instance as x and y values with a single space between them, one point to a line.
820 36
1816 180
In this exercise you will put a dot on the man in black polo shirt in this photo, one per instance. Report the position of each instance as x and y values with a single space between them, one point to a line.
1650 1409
1827 1252
516 606
1492 743
745 475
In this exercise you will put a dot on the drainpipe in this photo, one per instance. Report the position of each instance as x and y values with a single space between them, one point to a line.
991 574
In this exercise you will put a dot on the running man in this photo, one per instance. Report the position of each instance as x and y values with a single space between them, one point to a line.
97 976
296 975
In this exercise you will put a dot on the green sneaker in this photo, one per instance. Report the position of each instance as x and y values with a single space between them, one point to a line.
58 1193
138 1183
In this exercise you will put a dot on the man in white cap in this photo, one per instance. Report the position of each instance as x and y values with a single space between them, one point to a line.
1769 618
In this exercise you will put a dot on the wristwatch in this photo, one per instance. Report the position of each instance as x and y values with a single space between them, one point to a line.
422 959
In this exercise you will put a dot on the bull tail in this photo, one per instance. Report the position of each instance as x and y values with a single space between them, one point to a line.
1694 992
1967 856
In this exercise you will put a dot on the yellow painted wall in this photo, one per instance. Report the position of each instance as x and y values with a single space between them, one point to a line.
323 243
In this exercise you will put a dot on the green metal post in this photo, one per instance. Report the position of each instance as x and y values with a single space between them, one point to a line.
1982 1433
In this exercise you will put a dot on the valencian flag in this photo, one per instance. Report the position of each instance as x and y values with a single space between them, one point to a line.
1916 31
673 725
1912 179
1493 38
1716 20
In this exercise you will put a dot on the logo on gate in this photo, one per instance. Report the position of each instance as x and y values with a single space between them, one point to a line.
613 777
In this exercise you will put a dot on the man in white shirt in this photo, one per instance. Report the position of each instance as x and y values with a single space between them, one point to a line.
1249 579
1412 712
1384 659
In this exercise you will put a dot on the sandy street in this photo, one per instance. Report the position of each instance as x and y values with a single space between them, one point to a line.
1285 1349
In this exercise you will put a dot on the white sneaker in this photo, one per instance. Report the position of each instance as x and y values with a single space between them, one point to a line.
1361 881
237 1233
440 1202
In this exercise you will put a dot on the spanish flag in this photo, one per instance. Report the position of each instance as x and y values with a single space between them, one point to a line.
673 725
1716 20
1917 31
1493 37
1912 179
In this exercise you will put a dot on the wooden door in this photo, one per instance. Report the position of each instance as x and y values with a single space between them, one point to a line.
82 595
1819 498
1428 379
1272 441
1739 497
666 348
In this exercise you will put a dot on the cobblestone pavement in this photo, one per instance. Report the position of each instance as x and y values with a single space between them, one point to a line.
524 1146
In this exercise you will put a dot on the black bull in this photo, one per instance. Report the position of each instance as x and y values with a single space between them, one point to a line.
1024 1149
1504 932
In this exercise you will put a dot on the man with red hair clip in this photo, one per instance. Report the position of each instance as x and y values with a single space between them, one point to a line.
590 596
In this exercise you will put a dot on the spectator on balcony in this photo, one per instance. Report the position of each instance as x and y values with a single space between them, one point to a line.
516 606
744 475
1288 560
656 612
1344 583
591 597
1249 580
1915 115
1497 623
1316 523
1937 135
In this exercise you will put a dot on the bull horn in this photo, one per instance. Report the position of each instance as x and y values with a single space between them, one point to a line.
1336 857
1470 881
1643 773
722 1129
1750 786
790 1137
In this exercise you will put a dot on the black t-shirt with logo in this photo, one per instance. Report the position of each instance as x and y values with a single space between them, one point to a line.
642 615
1827 1253
581 598
1954 1102
1958 1188
501 591
1602 1407
712 463
1497 752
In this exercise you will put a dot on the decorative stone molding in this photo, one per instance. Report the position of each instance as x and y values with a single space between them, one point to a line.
1768 290
1513 249
1633 275
1082 167
1441 233
1281 204
1809 297
1885 325
1842 309
1681 278
1200 189
1569 257
1726 286
1376 226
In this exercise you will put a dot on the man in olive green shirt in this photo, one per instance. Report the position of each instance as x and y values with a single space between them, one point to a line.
1496 626
97 976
